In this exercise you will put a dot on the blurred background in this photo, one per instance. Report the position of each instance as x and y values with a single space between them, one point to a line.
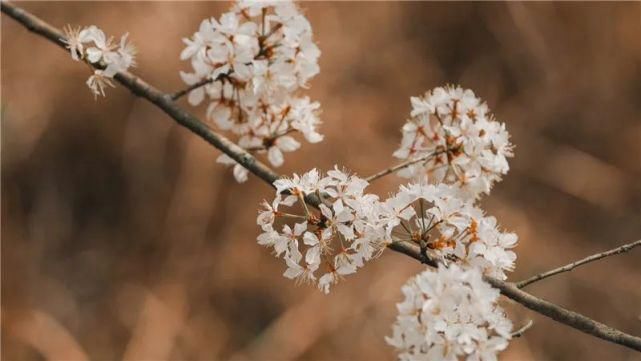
122 239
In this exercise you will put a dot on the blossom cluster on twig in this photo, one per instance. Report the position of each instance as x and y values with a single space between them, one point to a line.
254 60
440 220
449 313
251 64
333 241
92 45
462 142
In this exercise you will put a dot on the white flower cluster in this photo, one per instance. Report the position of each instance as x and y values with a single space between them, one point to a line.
352 226
250 64
456 140
455 151
90 44
335 241
438 219
450 314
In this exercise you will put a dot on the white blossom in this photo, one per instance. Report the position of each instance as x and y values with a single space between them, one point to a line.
450 314
437 218
102 46
256 57
75 37
92 45
335 241
460 140
98 82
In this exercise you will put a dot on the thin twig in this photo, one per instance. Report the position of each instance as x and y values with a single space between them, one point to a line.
180 93
399 166
163 101
518 333
573 265
541 306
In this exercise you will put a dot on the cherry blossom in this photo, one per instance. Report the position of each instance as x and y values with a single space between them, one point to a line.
459 139
450 314
90 44
250 66
442 222
322 246
257 57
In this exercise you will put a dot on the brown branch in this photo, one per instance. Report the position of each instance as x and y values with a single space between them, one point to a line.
565 316
180 93
573 265
546 308
400 166
163 101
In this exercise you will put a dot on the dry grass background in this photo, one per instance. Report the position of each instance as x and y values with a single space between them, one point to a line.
123 239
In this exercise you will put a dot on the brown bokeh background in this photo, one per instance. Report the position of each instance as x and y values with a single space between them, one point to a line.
123 239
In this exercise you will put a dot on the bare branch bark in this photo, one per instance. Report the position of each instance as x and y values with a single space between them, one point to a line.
180 93
573 265
546 308
565 316
398 167
163 101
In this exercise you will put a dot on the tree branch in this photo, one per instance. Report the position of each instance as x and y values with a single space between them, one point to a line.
546 308
400 166
180 93
573 265
163 101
